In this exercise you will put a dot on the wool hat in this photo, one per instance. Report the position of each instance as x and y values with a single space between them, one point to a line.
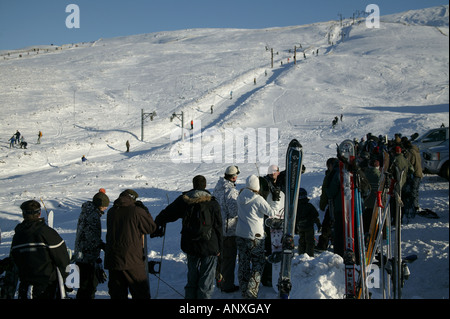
129 192
272 169
253 183
232 170
100 200
30 207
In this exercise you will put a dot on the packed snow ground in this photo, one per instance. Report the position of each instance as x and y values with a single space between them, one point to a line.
87 100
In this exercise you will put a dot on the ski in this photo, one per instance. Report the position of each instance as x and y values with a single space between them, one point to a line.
61 288
294 156
346 155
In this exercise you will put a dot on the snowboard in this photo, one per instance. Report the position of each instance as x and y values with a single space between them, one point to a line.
276 236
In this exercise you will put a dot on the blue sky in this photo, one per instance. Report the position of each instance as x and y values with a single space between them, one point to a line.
32 22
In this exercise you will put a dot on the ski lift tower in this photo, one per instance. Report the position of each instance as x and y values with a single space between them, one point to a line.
181 118
143 117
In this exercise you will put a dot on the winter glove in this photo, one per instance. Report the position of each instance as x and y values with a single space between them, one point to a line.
159 232
99 272
275 193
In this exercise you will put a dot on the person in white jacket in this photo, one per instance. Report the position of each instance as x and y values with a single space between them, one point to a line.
226 194
250 237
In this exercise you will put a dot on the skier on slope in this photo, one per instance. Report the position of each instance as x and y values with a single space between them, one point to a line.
37 250
226 194
201 252
88 243
127 222
250 237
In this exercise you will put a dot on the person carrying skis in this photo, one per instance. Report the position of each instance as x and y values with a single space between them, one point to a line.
201 236
226 194
127 222
307 216
250 237
37 250
88 243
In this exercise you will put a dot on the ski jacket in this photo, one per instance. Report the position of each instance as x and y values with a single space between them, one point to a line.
272 194
226 195
307 216
251 210
127 221
37 250
413 156
207 203
88 240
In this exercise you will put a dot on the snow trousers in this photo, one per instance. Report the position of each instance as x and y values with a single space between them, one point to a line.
251 265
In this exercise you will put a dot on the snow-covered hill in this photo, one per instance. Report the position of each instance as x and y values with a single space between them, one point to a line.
87 100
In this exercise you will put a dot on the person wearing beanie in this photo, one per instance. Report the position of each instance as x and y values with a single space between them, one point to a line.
127 222
38 250
250 237
202 244
226 195
88 243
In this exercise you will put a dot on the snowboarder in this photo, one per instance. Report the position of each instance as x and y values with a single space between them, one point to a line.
88 243
307 216
37 250
202 251
127 221
226 194
83 159
250 237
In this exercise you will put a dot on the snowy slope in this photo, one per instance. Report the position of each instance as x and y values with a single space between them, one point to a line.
87 100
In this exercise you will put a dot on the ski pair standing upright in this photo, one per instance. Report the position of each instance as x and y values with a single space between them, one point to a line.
282 231
352 216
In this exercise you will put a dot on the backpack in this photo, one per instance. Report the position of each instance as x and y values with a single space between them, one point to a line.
197 223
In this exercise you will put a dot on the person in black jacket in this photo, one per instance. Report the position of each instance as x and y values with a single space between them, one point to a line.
37 250
307 217
201 253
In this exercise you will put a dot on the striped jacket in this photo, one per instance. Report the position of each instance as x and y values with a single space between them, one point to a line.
37 250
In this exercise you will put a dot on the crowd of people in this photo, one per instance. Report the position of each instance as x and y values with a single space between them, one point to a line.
219 229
